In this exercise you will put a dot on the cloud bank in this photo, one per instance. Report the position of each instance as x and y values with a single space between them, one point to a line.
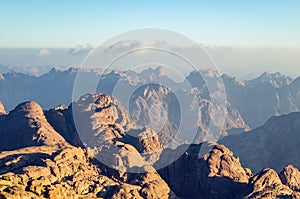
242 62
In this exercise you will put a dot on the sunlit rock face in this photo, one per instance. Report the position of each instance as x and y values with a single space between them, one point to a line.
117 159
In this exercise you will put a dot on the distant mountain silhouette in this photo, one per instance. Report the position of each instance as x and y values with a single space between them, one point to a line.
250 102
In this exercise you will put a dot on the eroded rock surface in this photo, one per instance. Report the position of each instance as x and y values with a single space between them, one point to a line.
290 176
27 125
38 159
53 172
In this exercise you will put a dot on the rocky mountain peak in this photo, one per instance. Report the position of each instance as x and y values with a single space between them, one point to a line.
103 110
267 184
274 79
160 71
32 128
57 70
229 81
29 107
198 174
151 74
290 176
54 70
222 163
2 109
210 73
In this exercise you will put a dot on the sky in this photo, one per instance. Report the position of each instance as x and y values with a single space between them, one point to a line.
243 37
67 23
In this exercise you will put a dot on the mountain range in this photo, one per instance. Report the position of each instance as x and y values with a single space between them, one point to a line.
249 104
42 157
144 135
274 144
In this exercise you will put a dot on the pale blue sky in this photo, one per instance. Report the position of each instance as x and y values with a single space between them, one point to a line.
66 23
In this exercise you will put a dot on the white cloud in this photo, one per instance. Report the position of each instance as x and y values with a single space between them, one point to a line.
44 52
80 48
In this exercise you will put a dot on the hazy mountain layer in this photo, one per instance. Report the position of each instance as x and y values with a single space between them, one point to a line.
255 100
275 144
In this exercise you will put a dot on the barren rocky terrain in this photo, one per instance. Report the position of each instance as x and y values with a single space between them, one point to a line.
44 154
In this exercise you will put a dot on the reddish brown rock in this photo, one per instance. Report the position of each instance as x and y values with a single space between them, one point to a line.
25 126
290 176
267 184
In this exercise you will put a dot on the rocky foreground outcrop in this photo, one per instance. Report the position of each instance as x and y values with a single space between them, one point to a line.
53 172
70 172
218 174
42 164
43 156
